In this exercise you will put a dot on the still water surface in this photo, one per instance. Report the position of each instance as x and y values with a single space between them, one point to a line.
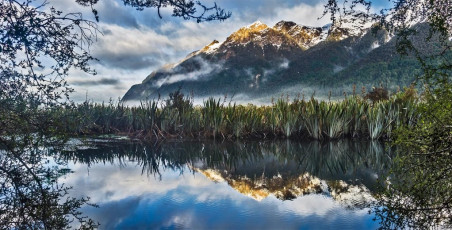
229 185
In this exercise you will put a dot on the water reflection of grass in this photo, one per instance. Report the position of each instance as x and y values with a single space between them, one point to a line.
284 169
329 160
178 118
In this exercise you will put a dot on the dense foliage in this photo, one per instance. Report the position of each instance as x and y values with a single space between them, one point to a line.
419 192
178 118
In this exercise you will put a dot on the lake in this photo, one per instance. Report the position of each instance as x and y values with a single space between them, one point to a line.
229 185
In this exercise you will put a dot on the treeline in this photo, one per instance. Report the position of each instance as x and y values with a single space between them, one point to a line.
373 117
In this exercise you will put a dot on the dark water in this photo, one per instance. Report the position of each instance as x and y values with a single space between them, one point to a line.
229 185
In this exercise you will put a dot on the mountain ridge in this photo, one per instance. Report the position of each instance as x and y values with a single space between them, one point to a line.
259 60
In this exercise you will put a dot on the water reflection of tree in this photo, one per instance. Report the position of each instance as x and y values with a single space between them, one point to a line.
30 195
419 192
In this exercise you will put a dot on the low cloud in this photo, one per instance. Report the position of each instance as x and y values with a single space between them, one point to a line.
337 68
284 64
281 66
102 81
199 75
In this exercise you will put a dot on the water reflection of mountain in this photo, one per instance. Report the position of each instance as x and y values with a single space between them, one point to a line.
345 170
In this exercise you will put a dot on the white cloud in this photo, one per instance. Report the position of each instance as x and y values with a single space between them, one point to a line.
302 14
131 48
199 75
106 183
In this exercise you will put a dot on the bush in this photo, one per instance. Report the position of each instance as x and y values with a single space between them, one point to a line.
377 94
177 101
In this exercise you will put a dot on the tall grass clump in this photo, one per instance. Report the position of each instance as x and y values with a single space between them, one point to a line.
213 115
177 117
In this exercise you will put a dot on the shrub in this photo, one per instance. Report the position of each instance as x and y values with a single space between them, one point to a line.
377 94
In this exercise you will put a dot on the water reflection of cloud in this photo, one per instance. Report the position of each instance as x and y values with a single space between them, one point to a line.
130 200
107 183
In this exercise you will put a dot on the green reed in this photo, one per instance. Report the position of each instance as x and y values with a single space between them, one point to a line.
157 119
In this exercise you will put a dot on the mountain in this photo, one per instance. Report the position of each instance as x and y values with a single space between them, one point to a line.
289 187
266 173
258 61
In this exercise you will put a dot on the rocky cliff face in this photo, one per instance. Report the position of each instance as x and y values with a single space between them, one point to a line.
305 36
260 60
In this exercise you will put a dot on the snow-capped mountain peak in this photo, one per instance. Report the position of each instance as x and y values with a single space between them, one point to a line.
256 24
305 36
211 48
247 33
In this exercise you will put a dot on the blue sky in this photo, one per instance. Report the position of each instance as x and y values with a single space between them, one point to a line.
135 43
